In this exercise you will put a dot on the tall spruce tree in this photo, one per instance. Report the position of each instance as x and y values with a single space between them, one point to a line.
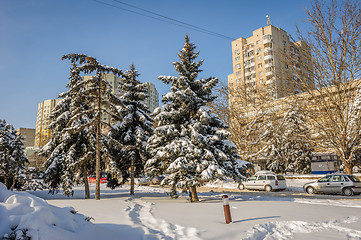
129 137
12 155
77 137
190 144
290 148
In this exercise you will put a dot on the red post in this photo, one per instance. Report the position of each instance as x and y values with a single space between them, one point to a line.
227 211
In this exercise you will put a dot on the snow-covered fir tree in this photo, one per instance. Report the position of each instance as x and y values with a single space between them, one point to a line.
129 136
290 148
12 155
76 139
190 144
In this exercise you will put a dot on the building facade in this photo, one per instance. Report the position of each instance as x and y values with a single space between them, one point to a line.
153 100
42 132
261 66
28 135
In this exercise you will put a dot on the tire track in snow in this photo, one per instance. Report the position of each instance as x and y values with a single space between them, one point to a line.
140 213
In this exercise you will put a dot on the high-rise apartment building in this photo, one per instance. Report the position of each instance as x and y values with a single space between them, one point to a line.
153 100
261 66
42 132
28 135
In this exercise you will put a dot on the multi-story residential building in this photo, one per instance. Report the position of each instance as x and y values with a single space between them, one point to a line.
260 66
28 135
115 82
153 100
42 132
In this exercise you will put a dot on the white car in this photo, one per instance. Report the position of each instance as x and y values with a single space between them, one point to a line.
264 180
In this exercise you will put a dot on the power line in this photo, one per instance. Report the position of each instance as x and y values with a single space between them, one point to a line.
163 18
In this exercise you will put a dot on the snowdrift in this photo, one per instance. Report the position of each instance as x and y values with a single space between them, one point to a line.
22 215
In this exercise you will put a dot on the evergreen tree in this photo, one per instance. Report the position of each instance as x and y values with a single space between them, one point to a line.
129 137
77 123
289 147
190 144
12 155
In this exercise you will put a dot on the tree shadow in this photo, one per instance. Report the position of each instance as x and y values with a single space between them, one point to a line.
252 219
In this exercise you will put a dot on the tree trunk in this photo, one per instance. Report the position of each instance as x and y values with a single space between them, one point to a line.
347 168
13 184
97 165
86 183
6 181
132 177
193 194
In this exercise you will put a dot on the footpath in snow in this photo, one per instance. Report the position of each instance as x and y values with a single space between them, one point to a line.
151 214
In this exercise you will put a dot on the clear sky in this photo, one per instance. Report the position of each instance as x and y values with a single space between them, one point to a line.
34 34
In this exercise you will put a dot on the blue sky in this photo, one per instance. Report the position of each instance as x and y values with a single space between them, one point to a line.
34 34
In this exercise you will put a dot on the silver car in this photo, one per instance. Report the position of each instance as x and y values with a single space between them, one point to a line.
264 180
335 183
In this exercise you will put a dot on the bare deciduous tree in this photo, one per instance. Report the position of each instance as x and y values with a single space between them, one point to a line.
334 38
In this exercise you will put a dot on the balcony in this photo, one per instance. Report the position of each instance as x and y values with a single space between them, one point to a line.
268 57
269 73
267 41
247 74
269 81
268 65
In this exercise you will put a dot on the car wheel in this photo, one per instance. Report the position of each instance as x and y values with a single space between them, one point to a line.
241 186
268 188
347 192
310 190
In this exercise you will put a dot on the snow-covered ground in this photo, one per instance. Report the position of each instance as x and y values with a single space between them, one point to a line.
151 214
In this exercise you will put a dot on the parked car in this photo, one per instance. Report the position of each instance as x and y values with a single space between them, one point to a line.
142 181
92 179
336 183
157 180
264 180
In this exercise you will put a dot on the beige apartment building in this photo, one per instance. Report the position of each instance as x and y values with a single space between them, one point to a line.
115 82
261 66
153 100
28 135
42 132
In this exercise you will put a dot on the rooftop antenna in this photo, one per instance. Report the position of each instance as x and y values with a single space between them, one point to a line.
269 22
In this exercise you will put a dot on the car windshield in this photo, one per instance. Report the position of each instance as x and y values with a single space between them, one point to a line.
353 178
280 177
325 178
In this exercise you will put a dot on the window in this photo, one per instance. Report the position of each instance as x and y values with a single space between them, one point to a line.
260 73
238 65
267 37
238 73
337 178
253 178
271 178
258 50
269 69
259 65
239 80
258 42
236 51
259 57
237 58
325 179
262 177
